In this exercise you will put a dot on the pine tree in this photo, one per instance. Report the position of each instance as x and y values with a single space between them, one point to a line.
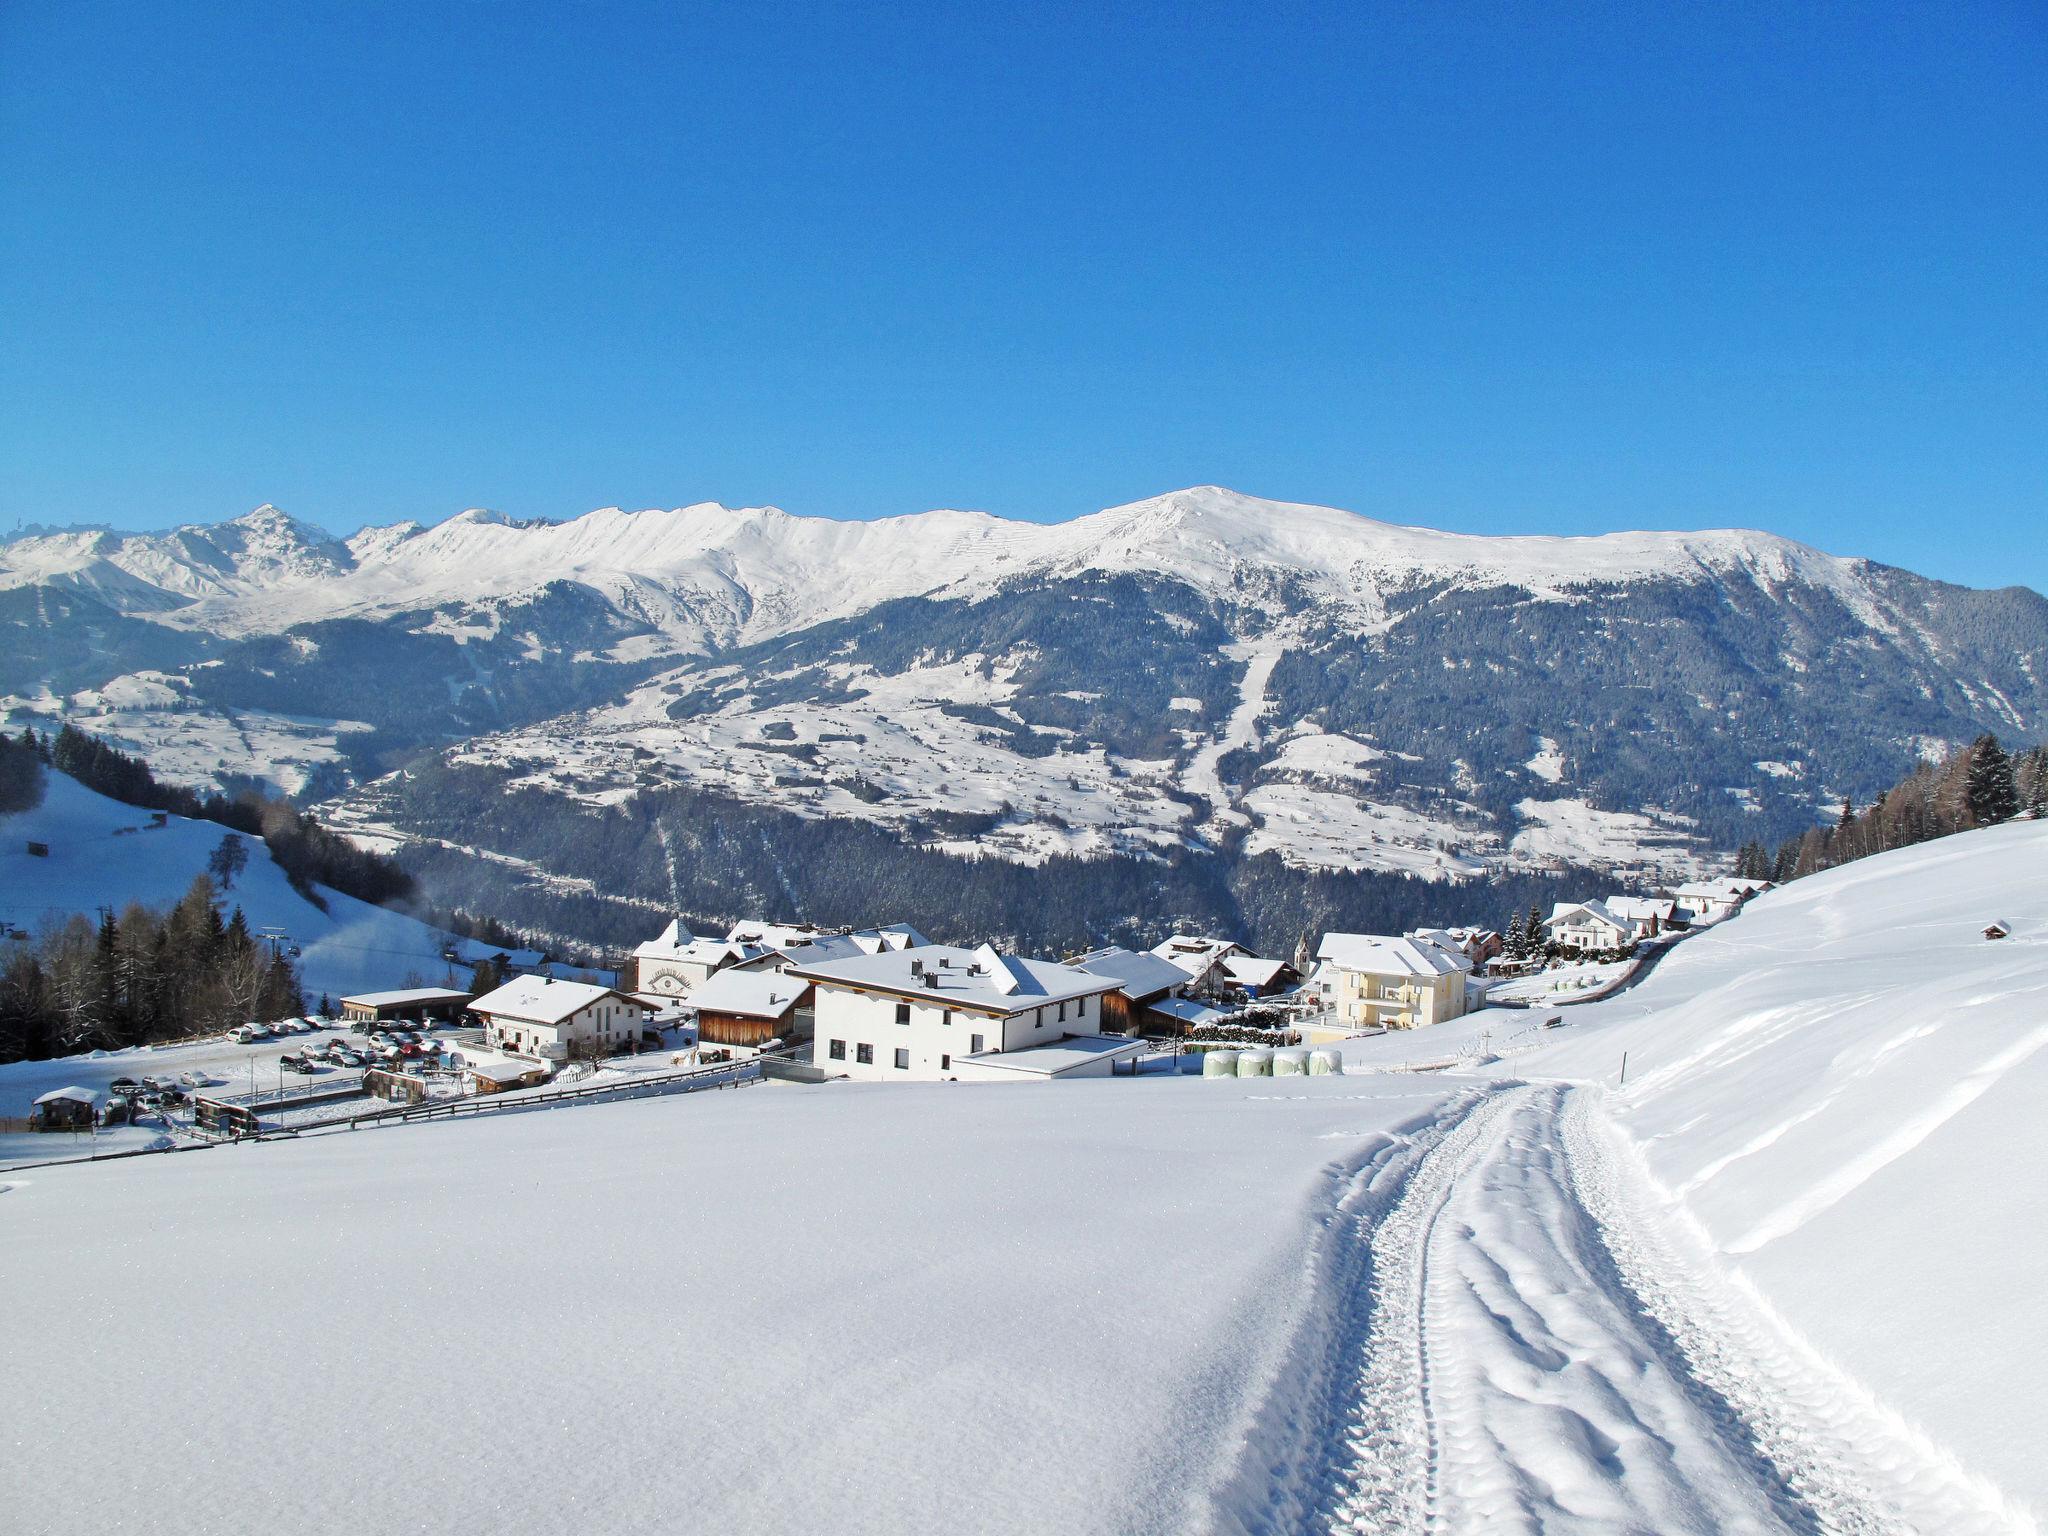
1989 791
1511 941
1533 933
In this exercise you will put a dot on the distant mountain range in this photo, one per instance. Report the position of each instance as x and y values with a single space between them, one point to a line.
1203 671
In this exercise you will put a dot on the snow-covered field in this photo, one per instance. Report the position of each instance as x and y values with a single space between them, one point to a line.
1789 1277
106 853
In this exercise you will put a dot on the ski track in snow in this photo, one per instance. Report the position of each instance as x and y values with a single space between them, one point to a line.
1522 1337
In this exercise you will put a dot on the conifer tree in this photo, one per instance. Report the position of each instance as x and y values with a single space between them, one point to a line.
1989 791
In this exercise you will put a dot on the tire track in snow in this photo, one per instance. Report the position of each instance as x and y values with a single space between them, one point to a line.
1852 1464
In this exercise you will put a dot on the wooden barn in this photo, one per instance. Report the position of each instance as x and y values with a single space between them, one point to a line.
1142 982
736 1007
413 1005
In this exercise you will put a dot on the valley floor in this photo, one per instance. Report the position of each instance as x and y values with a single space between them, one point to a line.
1787 1277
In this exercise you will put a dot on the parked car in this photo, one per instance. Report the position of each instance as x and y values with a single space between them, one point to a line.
116 1112
194 1079
351 1058
159 1084
123 1085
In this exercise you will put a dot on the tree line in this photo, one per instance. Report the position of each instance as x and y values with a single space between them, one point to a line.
1978 786
139 977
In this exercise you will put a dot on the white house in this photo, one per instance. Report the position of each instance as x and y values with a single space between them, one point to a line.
1709 901
550 1020
677 962
910 1014
1589 925
1370 979
1202 959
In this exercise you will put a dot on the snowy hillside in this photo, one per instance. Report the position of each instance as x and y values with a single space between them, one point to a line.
1788 1279
104 853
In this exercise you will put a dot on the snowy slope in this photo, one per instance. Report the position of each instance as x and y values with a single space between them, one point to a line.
103 853
1788 1279
1007 1309
1843 1087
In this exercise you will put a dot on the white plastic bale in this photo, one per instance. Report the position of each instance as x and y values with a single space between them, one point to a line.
1258 1063
1290 1063
1325 1063
1219 1064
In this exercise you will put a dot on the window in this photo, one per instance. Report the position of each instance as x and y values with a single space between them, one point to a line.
902 1060
864 1055
945 1063
974 1044
836 1050
1063 1013
903 1013
946 1016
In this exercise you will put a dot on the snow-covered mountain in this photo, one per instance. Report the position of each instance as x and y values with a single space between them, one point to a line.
1203 670
709 576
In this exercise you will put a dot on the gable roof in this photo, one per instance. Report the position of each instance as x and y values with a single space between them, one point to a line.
755 994
1382 955
1138 975
1640 909
1595 909
981 978
1251 970
540 1000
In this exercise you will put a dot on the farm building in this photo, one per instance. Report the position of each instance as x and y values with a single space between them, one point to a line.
750 1007
552 1020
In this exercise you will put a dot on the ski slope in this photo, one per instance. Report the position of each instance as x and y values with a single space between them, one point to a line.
104 853
1790 1277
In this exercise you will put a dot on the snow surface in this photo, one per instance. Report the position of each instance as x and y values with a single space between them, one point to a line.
1788 1278
105 853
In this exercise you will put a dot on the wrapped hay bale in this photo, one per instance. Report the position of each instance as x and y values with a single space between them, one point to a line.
1326 1061
1255 1063
1219 1063
1290 1063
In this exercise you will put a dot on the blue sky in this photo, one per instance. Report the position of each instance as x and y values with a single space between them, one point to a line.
1497 269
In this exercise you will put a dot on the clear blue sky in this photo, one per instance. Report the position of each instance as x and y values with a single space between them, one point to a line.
1514 268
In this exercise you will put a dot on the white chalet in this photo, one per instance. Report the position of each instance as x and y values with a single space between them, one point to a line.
1203 960
1370 979
547 1020
1589 925
922 1013
1651 915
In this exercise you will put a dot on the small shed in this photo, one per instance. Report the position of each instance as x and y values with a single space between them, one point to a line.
501 1076
64 1109
1182 1016
2000 929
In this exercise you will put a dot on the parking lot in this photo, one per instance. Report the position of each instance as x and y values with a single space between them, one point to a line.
220 1067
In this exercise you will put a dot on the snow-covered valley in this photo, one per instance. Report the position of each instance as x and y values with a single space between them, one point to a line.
1783 1277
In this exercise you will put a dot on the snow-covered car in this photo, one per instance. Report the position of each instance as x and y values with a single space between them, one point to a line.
350 1058
123 1085
193 1079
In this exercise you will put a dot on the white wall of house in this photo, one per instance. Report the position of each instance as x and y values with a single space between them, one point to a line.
1588 932
609 1022
848 1018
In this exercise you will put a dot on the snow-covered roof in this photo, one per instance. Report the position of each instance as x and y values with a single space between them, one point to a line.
1137 975
68 1096
1190 1010
1565 911
1060 1056
405 997
1382 955
503 1071
1194 952
1251 970
966 978
1720 890
755 994
1640 909
541 1000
